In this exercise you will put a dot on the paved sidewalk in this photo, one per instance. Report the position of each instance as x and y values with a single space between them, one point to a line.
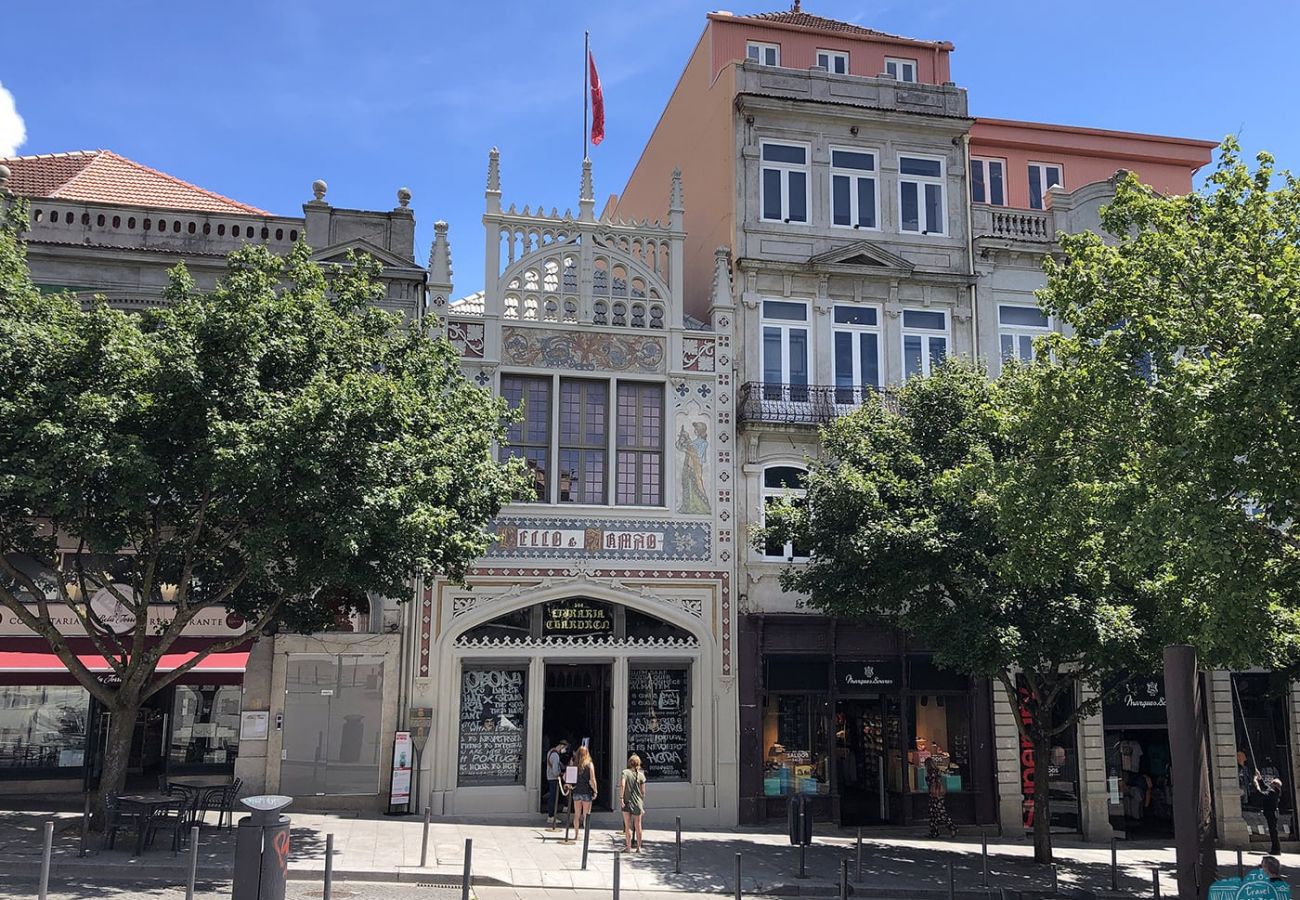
530 856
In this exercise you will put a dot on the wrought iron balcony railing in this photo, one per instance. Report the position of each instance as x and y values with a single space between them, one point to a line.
803 404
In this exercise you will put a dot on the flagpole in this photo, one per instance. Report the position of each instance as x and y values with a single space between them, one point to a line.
586 70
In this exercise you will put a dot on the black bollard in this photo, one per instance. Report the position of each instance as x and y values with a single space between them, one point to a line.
85 826
677 862
1155 882
1241 866
844 879
737 876
952 882
424 841
984 856
1114 865
586 839
859 854
616 866
1056 883
803 861
45 860
329 866
194 862
465 878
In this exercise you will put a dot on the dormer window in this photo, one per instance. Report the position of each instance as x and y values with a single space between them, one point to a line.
764 54
835 61
901 69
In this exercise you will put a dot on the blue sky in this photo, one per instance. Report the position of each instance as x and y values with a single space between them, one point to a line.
257 99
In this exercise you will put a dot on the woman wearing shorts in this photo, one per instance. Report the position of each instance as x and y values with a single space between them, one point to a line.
584 790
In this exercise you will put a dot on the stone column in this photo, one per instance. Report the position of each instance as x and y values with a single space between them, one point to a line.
1221 720
1094 799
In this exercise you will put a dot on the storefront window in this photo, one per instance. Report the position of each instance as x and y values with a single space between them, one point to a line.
42 726
205 725
658 723
942 731
794 741
1262 743
493 726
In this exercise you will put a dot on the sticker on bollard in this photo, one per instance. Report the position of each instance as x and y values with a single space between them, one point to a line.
262 850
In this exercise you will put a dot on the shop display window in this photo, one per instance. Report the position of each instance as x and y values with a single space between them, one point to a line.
205 725
942 730
42 726
794 742
658 721
493 726
1262 744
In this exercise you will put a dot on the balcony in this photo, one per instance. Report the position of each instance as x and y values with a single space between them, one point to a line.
1034 226
804 404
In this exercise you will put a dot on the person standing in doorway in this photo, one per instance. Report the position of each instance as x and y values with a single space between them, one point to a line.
939 818
631 797
584 790
554 776
1270 793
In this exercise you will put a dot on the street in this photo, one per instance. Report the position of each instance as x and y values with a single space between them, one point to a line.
310 890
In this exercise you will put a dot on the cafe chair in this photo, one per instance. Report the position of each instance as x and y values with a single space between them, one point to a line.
114 818
175 817
222 799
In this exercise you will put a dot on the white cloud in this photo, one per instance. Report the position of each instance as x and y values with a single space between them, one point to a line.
13 131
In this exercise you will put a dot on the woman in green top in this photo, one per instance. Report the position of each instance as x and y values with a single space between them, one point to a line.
631 796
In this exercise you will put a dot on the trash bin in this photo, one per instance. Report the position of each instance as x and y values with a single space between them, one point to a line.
262 849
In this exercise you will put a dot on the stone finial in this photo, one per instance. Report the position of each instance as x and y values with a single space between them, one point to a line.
4 178
440 256
318 189
494 170
795 7
675 196
586 195
721 294
403 197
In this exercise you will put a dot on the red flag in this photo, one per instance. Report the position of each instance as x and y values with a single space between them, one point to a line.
597 104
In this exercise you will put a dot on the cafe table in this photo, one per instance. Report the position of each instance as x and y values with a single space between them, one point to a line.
144 807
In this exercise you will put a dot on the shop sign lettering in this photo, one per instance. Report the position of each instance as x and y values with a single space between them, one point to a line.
634 540
576 618
549 538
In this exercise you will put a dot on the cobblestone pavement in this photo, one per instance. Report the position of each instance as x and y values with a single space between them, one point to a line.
312 891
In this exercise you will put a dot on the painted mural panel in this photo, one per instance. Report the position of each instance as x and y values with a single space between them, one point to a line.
582 350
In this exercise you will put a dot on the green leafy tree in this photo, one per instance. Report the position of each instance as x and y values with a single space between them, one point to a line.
905 529
277 447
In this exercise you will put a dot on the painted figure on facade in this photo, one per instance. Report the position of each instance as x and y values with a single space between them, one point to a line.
695 495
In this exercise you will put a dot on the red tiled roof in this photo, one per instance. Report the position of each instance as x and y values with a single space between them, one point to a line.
101 176
800 19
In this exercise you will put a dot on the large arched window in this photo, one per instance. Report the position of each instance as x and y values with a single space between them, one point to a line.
779 482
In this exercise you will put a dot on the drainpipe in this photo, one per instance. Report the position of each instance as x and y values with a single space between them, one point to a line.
970 252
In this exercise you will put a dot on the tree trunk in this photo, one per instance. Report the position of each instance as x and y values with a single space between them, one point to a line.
117 748
1042 798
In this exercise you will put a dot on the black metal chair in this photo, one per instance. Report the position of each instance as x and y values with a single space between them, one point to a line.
222 799
176 817
193 796
114 818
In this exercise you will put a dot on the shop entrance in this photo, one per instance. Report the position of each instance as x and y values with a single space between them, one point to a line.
1137 775
576 705
147 761
866 738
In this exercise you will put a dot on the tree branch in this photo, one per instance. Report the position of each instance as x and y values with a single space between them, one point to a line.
218 647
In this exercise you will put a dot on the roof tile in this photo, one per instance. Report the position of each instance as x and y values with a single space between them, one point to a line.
797 17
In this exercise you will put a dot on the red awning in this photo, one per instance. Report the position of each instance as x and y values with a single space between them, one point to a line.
36 661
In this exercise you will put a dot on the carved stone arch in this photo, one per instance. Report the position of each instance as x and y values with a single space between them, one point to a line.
673 614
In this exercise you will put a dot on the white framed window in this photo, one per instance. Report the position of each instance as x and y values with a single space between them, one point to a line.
767 54
921 205
784 185
855 343
1017 328
855 201
780 482
836 61
902 69
786 350
988 179
1042 178
925 340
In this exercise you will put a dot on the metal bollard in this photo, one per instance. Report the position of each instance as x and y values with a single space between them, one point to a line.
1114 865
45 860
859 878
803 860
424 841
85 826
984 856
737 876
586 839
1241 866
1155 882
844 879
194 862
329 866
465 878
616 867
677 863
952 882
1056 882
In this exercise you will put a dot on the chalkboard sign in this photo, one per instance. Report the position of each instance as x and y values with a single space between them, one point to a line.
493 726
658 725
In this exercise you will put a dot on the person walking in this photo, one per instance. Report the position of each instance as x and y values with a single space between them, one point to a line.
631 798
584 790
939 818
1270 793
554 776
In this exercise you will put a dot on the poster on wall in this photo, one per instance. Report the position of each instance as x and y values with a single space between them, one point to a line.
1061 770
493 720
658 731
399 792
